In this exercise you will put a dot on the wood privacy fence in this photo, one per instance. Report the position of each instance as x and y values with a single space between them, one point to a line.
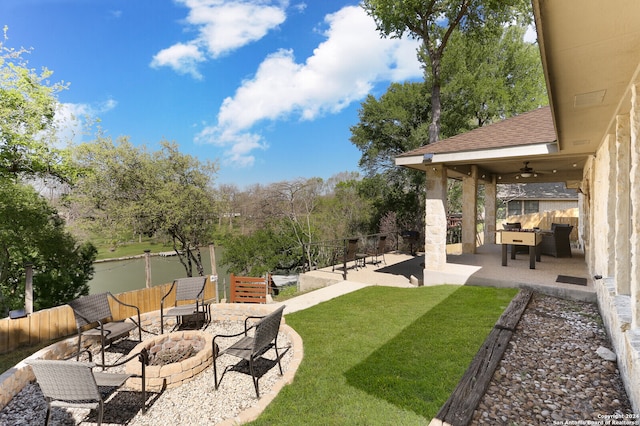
54 323
543 220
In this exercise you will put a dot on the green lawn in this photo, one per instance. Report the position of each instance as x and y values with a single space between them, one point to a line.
130 249
385 356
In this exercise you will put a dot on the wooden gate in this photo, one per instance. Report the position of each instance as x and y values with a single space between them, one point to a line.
249 289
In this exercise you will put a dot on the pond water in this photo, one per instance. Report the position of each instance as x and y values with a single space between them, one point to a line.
125 275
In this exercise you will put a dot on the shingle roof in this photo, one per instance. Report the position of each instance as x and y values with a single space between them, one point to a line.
528 128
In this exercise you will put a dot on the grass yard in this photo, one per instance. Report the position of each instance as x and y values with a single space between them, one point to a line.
385 356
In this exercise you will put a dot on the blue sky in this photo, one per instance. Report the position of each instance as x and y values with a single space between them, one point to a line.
268 88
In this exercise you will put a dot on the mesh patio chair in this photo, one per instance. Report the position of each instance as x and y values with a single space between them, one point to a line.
378 250
94 310
74 384
187 290
249 347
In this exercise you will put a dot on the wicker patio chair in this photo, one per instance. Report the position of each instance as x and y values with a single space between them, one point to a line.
249 347
187 290
75 384
556 243
94 318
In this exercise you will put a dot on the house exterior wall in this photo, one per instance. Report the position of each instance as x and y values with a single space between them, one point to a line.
613 245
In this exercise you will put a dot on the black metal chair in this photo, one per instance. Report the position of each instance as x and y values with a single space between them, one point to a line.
75 384
187 290
378 250
249 347
94 310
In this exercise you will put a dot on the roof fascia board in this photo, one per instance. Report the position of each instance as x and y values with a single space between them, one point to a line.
410 161
500 153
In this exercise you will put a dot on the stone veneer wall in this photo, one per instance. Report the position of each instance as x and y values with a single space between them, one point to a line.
13 380
616 308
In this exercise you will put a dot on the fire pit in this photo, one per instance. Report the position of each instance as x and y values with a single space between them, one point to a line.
174 359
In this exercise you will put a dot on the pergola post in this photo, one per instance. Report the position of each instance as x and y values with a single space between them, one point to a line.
469 210
490 211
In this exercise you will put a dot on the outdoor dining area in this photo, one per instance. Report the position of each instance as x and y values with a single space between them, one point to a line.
535 242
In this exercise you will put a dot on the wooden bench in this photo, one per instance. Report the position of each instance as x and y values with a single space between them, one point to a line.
249 289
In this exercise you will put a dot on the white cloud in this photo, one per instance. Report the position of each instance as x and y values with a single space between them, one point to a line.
342 70
183 58
71 119
222 26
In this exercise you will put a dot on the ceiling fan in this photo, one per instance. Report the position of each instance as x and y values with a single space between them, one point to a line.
526 171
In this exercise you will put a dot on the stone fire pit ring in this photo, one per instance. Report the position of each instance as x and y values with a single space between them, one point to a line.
176 373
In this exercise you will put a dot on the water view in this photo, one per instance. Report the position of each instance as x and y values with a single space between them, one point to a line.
125 275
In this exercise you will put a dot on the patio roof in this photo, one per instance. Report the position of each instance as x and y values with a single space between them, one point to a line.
587 49
501 150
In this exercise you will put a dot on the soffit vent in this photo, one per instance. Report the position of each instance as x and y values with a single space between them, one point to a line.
589 99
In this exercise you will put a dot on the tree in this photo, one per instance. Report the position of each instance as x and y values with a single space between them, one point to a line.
126 190
389 126
490 79
27 127
433 22
32 232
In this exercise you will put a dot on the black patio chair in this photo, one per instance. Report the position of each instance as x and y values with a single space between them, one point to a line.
556 243
251 347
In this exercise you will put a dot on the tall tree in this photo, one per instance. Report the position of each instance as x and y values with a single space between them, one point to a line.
32 232
27 127
490 79
388 127
433 22
126 189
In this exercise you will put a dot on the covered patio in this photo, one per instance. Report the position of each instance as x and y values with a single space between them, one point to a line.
588 137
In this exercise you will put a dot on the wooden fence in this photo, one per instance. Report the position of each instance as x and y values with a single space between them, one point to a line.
543 220
54 323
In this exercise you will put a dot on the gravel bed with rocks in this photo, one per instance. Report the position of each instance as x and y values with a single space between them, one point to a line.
193 403
552 372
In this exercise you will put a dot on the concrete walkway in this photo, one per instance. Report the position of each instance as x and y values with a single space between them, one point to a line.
397 272
314 297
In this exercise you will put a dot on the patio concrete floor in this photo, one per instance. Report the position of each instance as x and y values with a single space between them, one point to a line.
483 268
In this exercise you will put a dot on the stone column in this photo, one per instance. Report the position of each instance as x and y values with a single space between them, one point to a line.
435 233
490 210
611 205
634 183
622 270
469 210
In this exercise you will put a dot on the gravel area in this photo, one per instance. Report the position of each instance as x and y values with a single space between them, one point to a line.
551 372
193 403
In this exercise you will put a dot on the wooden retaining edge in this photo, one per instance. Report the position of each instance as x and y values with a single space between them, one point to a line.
459 408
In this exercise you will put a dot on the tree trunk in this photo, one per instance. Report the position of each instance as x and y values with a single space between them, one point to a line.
436 107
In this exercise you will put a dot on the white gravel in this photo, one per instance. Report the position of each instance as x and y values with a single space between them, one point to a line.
193 403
